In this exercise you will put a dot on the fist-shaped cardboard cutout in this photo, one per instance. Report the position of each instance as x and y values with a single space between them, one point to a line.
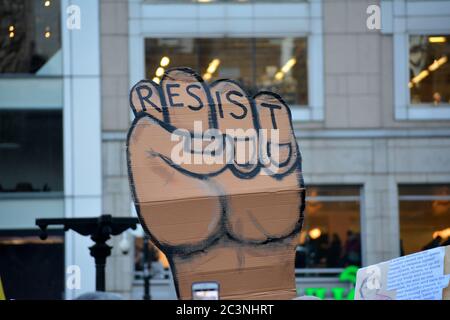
216 180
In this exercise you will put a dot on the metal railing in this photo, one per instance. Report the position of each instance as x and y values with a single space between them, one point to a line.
299 272
162 286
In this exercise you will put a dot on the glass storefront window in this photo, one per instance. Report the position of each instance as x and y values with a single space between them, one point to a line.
276 64
429 69
330 237
424 217
31 151
219 1
30 37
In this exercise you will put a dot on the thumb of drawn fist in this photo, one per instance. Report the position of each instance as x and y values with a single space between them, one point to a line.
216 180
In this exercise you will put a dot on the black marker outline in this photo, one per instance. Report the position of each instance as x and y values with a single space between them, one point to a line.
222 231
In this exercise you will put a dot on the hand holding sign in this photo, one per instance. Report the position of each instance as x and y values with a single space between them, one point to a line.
216 180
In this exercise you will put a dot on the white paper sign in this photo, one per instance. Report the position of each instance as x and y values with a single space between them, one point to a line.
418 276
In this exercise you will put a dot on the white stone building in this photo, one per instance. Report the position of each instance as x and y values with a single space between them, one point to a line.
371 109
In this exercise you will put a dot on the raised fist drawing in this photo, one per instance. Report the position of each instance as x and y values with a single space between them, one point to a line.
216 180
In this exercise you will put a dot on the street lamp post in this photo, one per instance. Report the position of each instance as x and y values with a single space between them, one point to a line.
100 229
146 267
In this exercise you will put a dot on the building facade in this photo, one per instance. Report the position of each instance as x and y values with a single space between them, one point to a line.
370 102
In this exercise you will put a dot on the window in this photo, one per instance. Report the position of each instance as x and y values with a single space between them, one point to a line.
219 1
30 37
276 64
32 269
429 68
330 237
31 151
421 86
424 217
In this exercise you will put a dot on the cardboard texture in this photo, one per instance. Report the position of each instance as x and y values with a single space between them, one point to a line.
234 222
374 283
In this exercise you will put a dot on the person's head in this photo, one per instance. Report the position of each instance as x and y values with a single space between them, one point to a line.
437 98
99 295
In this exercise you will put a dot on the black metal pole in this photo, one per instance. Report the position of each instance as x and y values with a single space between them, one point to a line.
100 251
146 268
100 276
100 229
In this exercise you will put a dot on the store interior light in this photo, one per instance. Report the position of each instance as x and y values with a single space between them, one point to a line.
425 73
288 65
47 33
422 75
47 3
207 76
437 39
164 61
11 31
285 69
159 72
437 63
156 80
204 1
315 233
213 65
279 75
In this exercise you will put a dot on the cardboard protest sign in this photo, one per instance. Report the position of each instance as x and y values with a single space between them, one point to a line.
216 180
421 276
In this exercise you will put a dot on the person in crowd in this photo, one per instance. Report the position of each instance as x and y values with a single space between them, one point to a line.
324 244
437 98
352 249
334 252
300 257
402 250
99 295
433 243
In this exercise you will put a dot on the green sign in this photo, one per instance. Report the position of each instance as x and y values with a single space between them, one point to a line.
347 275
2 293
